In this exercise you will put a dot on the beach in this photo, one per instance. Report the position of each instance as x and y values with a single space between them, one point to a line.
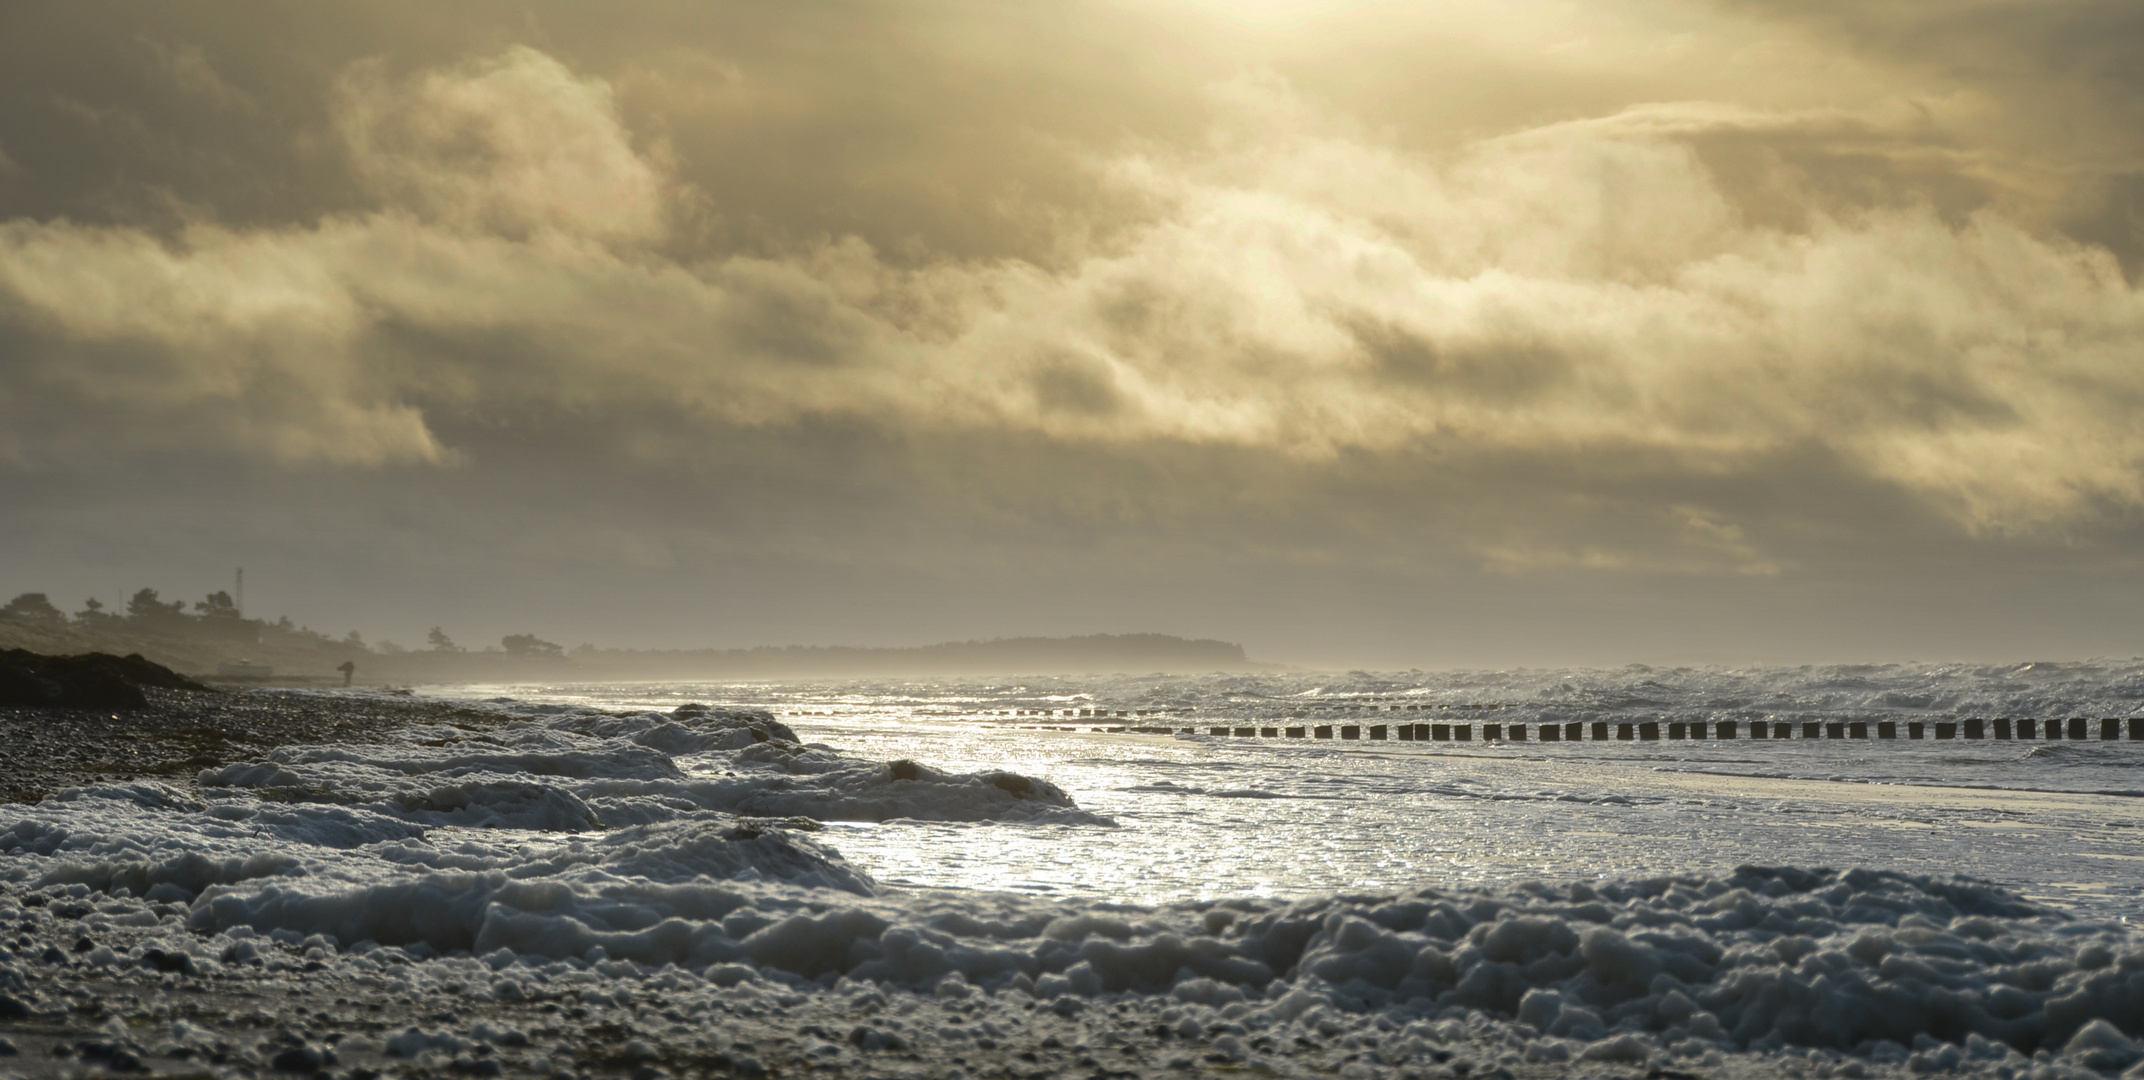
44 751
871 879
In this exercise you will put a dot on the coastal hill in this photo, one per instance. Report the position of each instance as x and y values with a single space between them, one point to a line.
216 638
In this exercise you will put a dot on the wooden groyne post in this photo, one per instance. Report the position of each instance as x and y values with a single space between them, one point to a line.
1967 729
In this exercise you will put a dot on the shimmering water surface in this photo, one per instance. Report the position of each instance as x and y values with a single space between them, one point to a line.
1203 817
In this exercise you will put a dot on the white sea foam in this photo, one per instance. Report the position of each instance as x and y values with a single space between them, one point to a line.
612 860
569 770
1884 968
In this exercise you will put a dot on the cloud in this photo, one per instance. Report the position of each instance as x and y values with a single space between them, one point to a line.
224 342
512 145
1697 543
189 69
2039 107
1597 293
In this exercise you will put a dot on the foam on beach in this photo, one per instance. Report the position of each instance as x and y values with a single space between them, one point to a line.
607 862
570 769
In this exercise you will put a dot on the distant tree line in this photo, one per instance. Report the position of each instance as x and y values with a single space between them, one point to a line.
144 606
217 617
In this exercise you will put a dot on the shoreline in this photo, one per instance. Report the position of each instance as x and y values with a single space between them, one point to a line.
45 750
543 891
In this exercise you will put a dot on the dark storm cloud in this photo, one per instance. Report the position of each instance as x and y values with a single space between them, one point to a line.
1097 294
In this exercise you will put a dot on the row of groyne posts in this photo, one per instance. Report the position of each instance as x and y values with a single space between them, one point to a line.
2077 729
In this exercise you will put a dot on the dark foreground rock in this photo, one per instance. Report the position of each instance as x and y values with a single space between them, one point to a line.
89 681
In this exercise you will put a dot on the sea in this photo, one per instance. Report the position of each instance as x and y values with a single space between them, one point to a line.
1176 875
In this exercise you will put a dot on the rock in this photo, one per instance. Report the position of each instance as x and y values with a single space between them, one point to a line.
88 681
117 1057
20 686
160 960
302 1059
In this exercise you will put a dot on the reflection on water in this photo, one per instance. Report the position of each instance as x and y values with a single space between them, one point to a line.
1203 817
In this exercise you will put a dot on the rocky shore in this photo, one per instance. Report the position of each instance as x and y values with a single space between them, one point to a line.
178 733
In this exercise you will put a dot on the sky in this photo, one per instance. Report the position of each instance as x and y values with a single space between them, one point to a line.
1378 334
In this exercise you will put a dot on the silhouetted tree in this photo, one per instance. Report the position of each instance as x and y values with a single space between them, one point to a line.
218 606
440 642
529 645
145 605
93 611
355 639
32 607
